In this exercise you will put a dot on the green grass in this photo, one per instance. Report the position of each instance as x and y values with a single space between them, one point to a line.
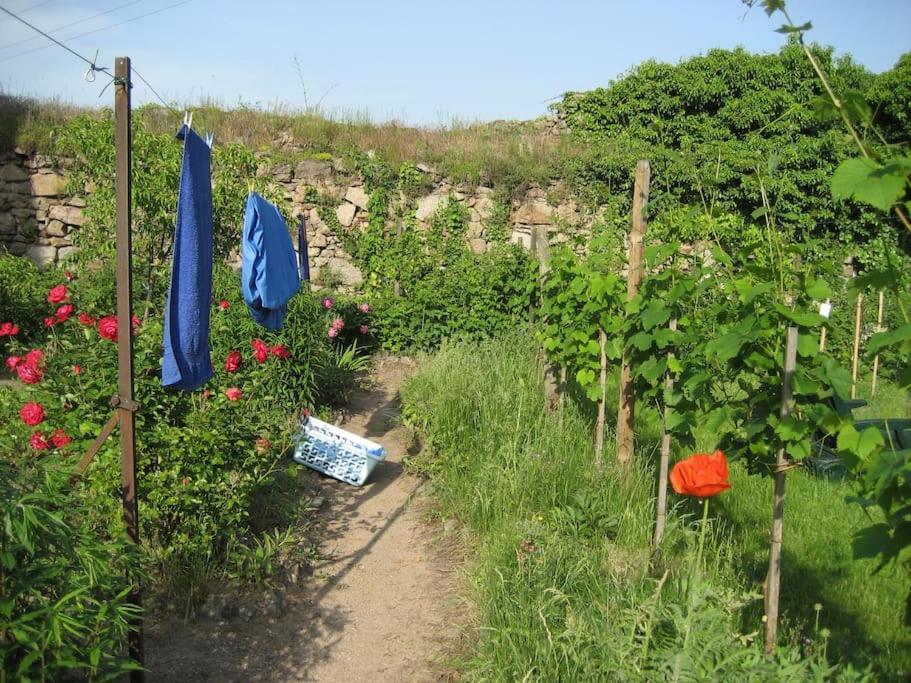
563 578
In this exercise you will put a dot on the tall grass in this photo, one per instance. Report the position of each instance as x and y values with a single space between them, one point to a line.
564 581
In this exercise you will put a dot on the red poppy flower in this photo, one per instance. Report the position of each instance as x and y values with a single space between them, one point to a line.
260 350
233 393
280 351
86 319
701 475
233 361
224 304
57 295
64 312
38 442
107 327
8 329
60 439
32 414
12 362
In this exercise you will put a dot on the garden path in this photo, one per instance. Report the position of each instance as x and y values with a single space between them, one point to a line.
378 602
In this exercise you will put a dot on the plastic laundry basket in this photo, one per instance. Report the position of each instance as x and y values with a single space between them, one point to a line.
333 451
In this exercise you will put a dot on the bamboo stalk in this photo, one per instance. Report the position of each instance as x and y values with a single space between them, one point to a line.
773 579
856 356
879 328
599 425
665 457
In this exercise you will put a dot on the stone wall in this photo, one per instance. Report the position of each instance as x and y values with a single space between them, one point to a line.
37 215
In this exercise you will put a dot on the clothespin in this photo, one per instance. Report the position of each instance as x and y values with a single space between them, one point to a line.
249 187
210 138
188 119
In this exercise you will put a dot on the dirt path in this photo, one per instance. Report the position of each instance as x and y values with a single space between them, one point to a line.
375 607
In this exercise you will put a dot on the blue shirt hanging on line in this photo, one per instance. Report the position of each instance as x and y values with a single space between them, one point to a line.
187 364
269 275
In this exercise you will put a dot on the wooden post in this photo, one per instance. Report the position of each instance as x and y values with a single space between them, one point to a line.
855 357
124 402
773 579
665 457
599 424
540 245
879 328
626 411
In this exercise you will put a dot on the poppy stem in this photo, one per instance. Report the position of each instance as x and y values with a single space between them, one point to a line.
705 521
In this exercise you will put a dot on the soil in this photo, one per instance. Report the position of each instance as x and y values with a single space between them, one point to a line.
378 604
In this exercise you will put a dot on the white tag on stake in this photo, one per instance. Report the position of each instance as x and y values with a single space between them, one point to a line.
825 309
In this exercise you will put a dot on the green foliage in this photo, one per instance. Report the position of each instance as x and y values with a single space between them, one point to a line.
561 580
64 610
256 563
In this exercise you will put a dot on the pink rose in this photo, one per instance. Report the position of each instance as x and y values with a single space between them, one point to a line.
233 361
107 327
364 308
233 393
338 323
260 350
29 374
135 322
39 443
327 303
12 362
34 358
333 333
364 329
64 312
57 295
8 329
61 439
32 414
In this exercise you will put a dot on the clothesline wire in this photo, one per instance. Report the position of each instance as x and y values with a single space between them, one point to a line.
29 8
73 23
92 67
154 92
97 30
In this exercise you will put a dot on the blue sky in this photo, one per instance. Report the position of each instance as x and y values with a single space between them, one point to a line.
419 62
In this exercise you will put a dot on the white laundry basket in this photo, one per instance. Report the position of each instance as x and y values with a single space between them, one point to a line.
333 451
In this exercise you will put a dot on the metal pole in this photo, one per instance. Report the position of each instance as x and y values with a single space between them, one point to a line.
125 404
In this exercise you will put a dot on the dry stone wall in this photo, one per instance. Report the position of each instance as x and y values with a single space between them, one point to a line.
38 216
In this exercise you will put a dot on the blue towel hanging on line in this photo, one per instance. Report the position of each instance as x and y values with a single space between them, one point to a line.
187 364
269 269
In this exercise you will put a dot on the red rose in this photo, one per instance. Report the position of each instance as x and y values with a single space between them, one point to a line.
8 329
233 393
64 312
57 295
233 361
29 374
327 303
50 321
135 322
34 358
12 362
224 304
77 369
280 351
86 319
60 439
107 327
260 350
32 414
39 443
701 475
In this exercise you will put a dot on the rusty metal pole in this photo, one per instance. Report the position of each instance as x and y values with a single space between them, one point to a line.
125 403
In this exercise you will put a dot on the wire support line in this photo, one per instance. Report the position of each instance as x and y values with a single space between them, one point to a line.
97 30
28 9
154 92
71 24
92 67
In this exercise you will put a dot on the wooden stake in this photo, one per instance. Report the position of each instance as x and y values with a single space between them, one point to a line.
879 328
626 410
124 402
854 360
541 251
773 579
665 457
599 425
